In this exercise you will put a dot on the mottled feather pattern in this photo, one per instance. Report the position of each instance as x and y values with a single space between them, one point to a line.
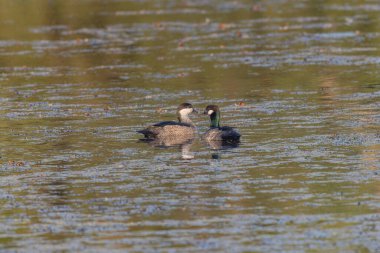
169 130
222 133
169 141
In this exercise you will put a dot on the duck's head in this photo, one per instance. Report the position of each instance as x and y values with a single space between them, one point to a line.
185 109
211 109
214 113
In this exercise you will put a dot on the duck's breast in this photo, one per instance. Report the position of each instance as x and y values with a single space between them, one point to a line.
213 134
223 133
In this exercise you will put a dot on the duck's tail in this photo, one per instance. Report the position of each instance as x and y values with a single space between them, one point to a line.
147 133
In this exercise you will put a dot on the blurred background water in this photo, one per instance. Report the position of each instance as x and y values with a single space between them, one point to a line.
299 79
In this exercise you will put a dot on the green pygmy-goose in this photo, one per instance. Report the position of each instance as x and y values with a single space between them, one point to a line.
216 132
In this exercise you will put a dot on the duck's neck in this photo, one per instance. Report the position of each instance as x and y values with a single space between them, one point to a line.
184 118
215 119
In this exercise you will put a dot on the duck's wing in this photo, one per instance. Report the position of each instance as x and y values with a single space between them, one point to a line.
153 130
229 133
171 123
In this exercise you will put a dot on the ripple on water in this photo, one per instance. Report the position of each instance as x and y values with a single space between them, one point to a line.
296 79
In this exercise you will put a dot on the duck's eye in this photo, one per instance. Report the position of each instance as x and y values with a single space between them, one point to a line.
210 112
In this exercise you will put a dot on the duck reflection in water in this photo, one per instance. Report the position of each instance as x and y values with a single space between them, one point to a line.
183 144
219 145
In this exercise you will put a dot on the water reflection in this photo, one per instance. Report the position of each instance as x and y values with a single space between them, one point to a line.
183 144
217 146
77 77
186 152
59 191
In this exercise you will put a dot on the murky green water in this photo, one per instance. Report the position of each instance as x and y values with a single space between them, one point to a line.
299 79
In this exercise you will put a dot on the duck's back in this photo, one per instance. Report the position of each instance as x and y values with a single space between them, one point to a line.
222 133
169 130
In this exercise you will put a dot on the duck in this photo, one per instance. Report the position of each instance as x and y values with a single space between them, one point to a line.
173 132
224 134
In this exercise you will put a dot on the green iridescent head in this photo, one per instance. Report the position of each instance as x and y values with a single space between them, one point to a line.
214 113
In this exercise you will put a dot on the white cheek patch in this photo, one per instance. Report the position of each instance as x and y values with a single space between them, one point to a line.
210 112
186 111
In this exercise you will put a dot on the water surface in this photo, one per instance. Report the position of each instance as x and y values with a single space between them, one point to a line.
300 80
